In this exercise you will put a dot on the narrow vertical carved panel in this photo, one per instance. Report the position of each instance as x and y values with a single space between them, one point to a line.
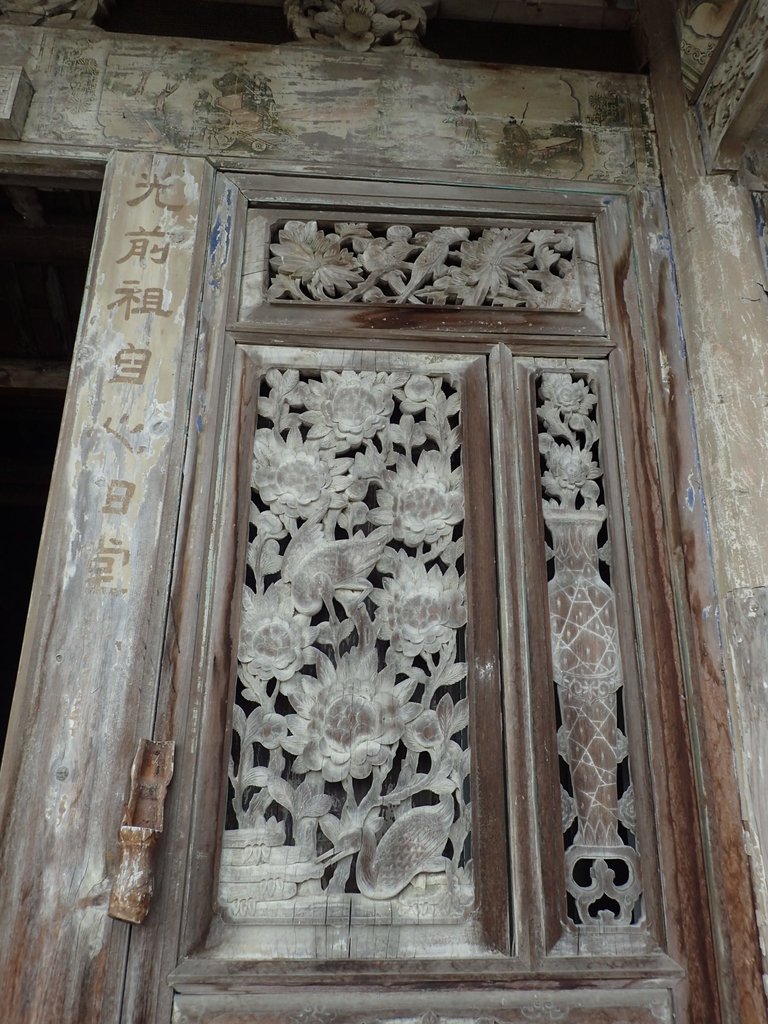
349 792
602 866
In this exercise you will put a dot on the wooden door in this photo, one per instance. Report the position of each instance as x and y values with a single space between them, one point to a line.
421 666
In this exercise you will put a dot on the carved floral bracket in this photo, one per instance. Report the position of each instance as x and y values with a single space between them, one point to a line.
361 25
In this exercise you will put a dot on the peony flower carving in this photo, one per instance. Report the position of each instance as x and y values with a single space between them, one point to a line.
275 642
345 408
418 610
423 502
570 396
567 442
297 478
349 718
305 256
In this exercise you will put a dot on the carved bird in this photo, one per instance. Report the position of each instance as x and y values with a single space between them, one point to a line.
413 843
319 569
431 260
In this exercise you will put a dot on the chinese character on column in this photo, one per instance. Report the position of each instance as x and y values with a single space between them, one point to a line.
140 245
135 300
131 365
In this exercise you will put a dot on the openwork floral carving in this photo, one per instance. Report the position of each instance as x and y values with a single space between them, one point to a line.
598 814
349 768
359 25
444 266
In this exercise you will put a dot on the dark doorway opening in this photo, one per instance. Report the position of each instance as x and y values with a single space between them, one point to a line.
45 240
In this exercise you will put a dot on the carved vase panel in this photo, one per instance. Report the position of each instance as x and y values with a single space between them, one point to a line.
349 773
602 865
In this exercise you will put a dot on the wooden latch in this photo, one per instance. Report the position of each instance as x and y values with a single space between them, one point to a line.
142 823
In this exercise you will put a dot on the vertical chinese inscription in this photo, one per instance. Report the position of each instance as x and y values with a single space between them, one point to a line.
142 261
349 772
602 865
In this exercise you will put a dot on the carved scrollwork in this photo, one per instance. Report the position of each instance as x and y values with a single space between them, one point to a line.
739 64
360 25
444 266
350 764
598 818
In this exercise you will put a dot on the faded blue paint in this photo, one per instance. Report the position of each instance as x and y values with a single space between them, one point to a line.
218 246
215 237
690 498
199 423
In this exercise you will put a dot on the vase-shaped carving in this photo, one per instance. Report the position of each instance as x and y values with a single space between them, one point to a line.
587 670
602 872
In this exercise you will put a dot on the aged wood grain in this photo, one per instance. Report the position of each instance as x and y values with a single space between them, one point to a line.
88 672
722 307
306 108
748 622
154 948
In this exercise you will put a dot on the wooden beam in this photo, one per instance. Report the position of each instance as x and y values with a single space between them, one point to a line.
37 374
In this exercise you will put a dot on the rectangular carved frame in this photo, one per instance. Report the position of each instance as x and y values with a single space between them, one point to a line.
203 635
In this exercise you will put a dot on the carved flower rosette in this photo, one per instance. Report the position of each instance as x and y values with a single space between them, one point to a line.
349 770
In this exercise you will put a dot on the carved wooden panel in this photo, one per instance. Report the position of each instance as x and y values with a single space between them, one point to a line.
604 890
361 25
602 866
350 839
350 779
307 267
508 267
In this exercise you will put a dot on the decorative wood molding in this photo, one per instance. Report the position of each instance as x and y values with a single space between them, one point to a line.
543 1006
60 13
734 99
361 25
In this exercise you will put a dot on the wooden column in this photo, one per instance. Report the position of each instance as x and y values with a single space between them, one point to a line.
724 311
89 669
